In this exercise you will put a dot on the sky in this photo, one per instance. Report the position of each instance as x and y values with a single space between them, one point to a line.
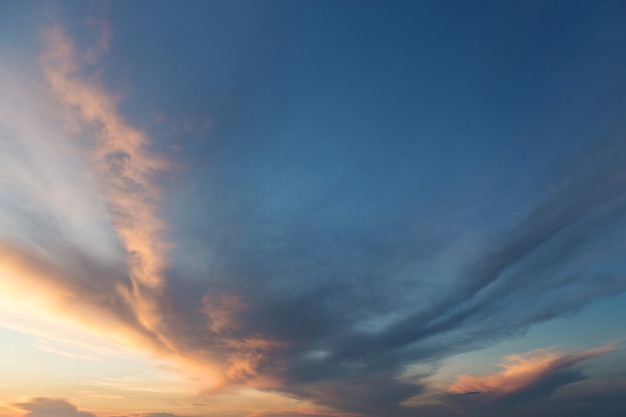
312 209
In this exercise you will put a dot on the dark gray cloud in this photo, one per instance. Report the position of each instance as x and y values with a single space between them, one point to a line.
355 308
378 395
544 386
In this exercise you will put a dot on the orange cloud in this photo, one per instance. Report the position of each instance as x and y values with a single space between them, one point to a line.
125 167
523 370
30 280
93 294
247 354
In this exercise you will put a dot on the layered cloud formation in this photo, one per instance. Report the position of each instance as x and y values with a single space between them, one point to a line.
321 296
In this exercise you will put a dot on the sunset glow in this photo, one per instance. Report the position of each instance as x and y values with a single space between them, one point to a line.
312 209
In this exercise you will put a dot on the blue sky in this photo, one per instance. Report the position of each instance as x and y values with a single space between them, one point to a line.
277 208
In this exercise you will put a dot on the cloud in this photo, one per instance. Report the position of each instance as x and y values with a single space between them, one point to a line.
330 304
528 376
350 312
126 169
81 223
586 400
51 407
375 395
79 295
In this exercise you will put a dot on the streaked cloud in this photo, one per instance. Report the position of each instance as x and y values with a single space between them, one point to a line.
126 169
301 314
84 136
259 270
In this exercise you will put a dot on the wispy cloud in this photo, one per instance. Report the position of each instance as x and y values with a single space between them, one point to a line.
126 169
84 136
293 303
34 282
